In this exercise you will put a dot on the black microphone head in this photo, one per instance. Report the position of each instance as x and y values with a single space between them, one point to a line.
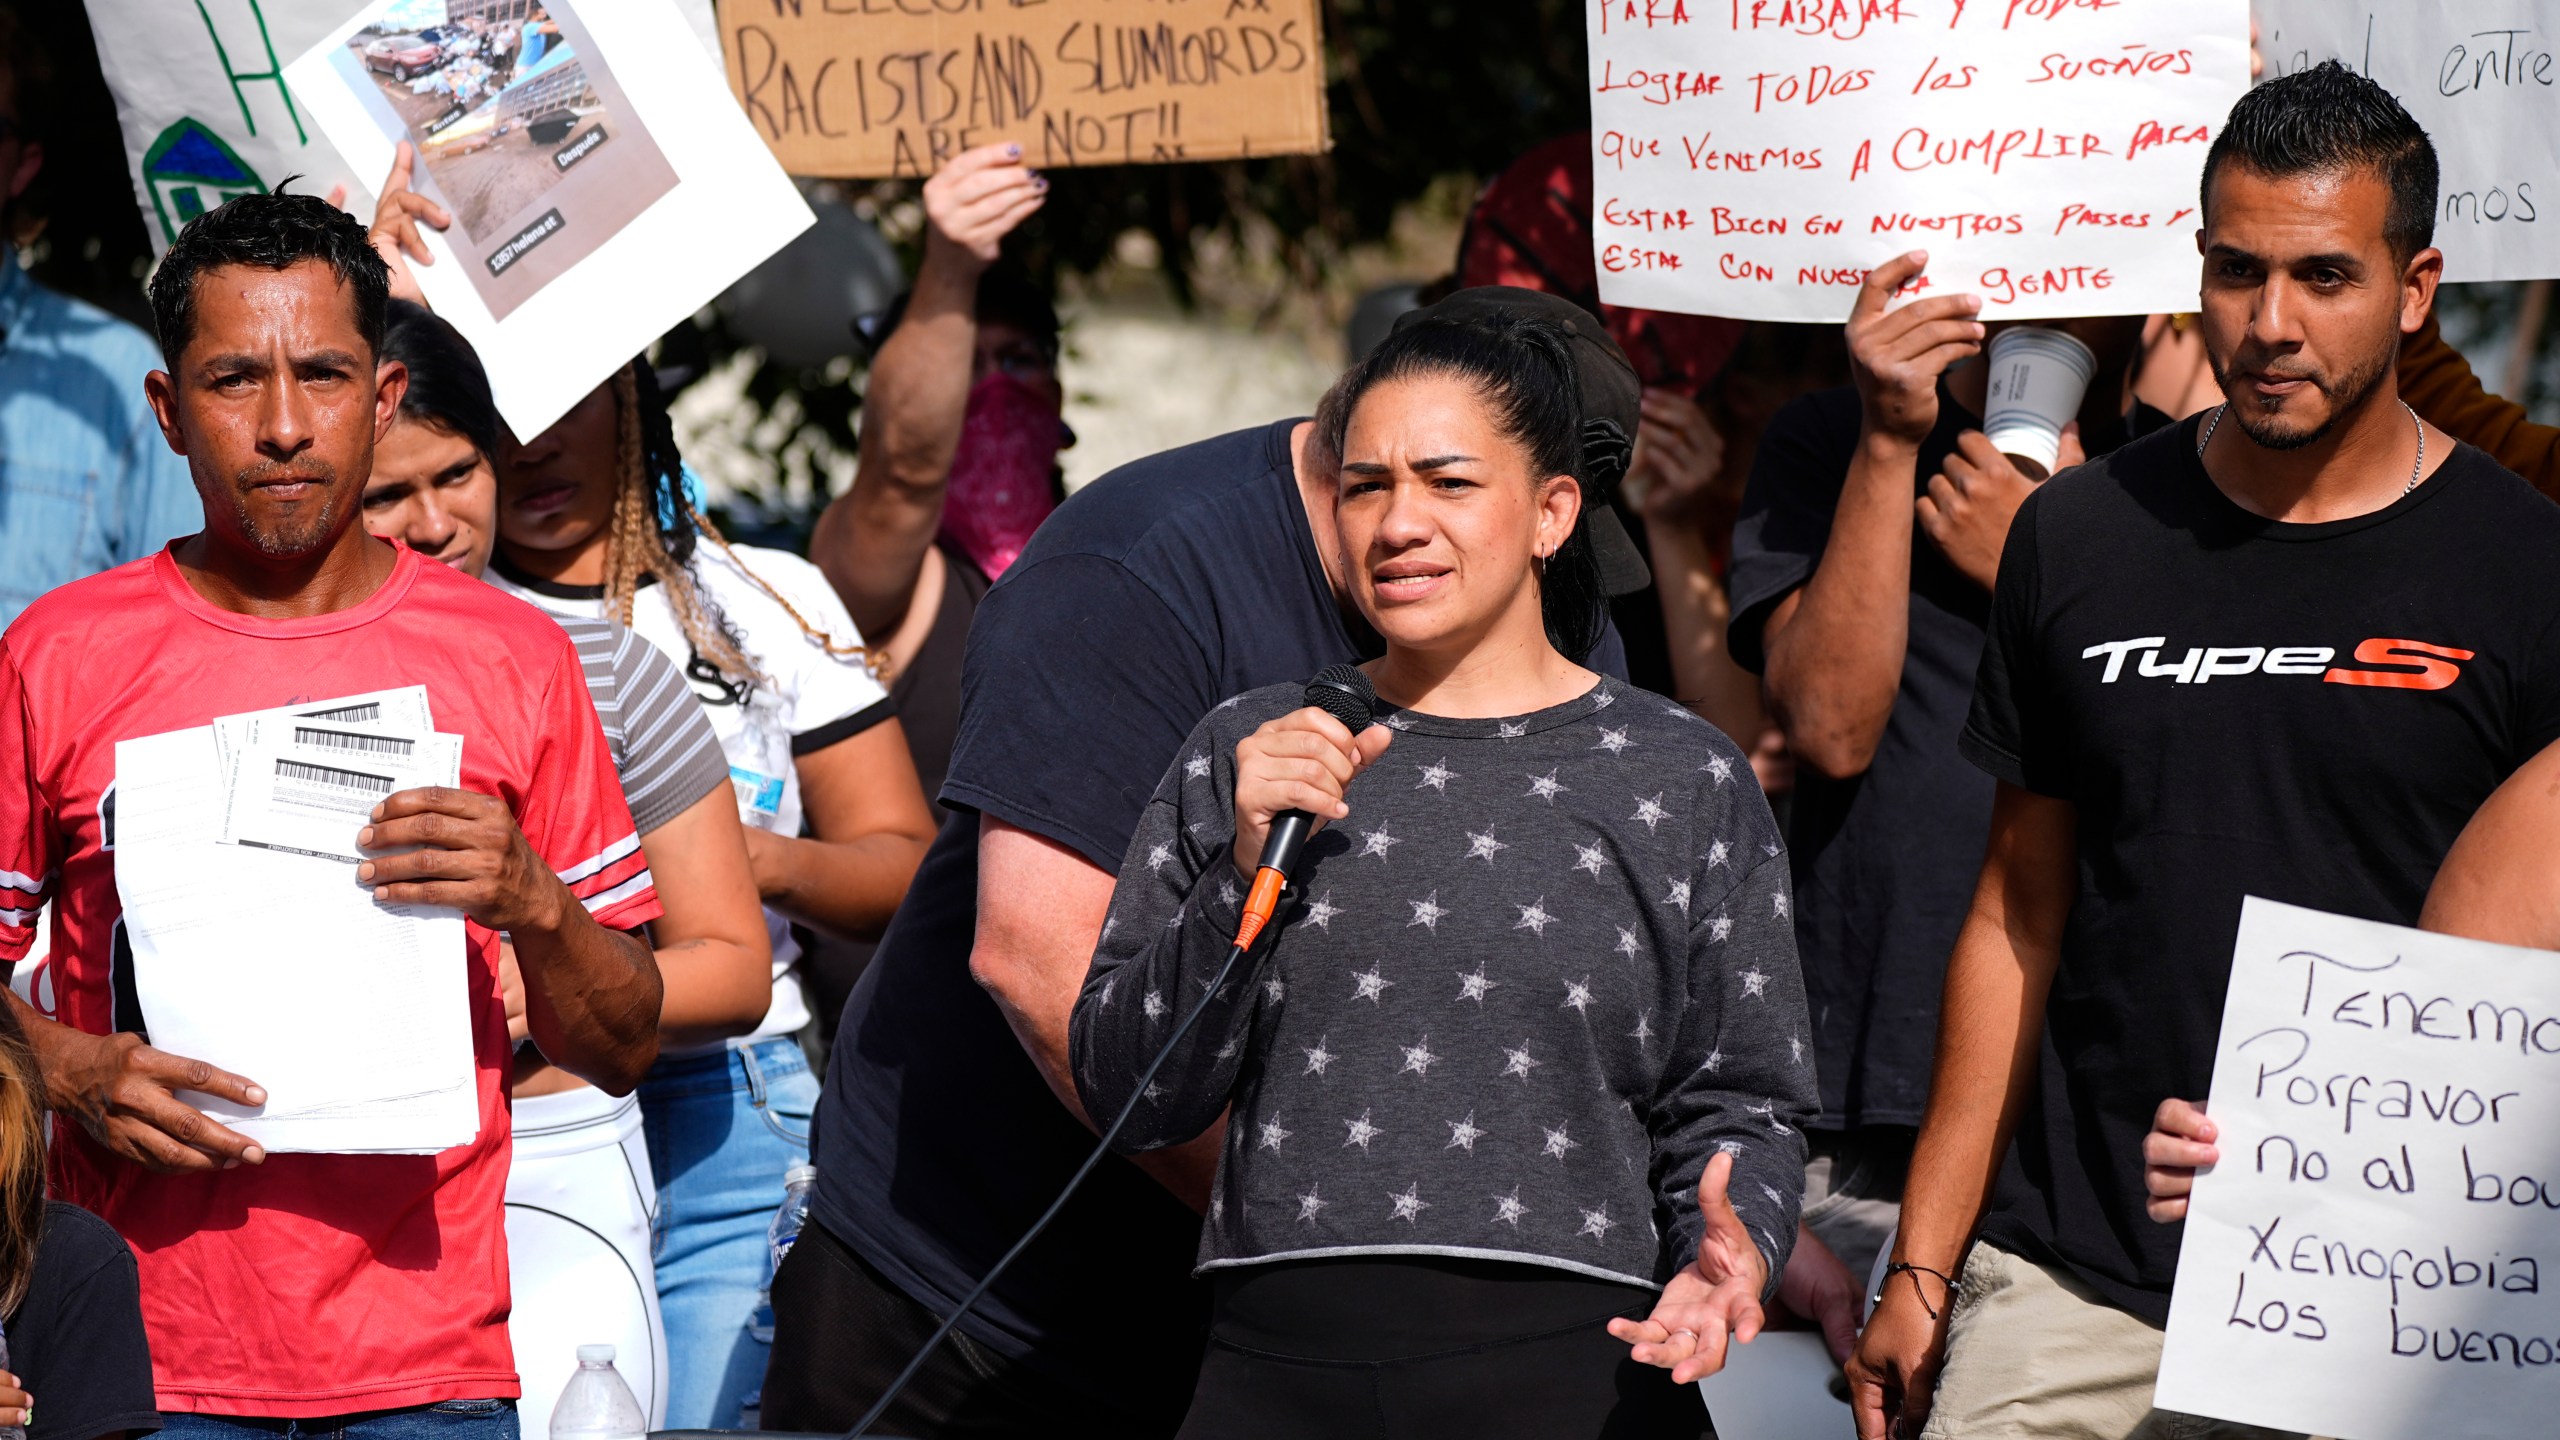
1344 693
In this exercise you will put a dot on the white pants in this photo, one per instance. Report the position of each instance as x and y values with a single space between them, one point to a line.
579 1201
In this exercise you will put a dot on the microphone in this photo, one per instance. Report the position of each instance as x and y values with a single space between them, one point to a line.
1344 693
1340 691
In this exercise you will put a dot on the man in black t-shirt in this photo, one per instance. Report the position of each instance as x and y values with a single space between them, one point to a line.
1862 569
950 1119
2286 649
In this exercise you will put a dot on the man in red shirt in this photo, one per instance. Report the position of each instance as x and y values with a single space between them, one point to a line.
336 1291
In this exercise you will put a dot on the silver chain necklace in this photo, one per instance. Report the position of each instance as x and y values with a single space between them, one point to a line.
2416 472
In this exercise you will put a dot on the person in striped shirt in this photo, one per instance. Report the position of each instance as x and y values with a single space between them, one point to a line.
580 1189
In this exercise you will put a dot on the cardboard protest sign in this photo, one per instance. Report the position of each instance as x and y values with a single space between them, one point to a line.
602 183
2482 77
895 87
1756 158
201 98
2366 1260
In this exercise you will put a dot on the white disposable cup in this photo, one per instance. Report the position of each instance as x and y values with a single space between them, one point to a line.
2038 379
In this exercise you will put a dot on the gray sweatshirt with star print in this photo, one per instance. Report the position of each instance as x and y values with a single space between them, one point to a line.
1509 1009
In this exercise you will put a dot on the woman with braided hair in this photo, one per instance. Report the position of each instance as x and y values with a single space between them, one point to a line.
593 520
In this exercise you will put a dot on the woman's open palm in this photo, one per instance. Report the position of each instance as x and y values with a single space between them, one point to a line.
1714 1300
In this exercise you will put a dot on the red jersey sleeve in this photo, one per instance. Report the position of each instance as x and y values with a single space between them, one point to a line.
30 843
574 815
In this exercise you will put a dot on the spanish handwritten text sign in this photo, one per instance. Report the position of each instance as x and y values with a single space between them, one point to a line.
895 87
1756 158
2368 1259
2482 77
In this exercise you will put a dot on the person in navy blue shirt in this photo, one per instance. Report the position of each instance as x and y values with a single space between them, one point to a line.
950 1117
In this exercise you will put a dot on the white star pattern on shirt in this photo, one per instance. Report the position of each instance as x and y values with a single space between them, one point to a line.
1593 857
1644 1029
1154 1092
1534 917
1310 1203
1547 787
1650 811
1483 846
1780 900
1463 1134
1227 893
1321 910
1319 1057
1418 1058
1218 1206
1602 700
1559 1142
1511 729
1614 741
1795 1048
1228 1050
1577 996
1726 1147
1768 1110
1719 928
1437 776
1395 722
1109 924
1679 896
1109 983
1679 711
1426 913
1376 842
1471 986
1520 1062
1507 1209
1196 767
1369 985
1627 944
1716 854
1409 1204
1154 1005
1755 984
1714 1061
1596 1223
1774 1197
1770 849
1274 989
1719 767
1174 920
1361 1132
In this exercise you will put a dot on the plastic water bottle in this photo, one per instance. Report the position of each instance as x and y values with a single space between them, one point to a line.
597 1403
778 1239
9 1432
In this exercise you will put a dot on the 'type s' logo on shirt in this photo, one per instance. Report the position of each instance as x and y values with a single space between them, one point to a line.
2390 664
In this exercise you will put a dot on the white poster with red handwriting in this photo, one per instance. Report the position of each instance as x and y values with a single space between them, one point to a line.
1756 158
2483 77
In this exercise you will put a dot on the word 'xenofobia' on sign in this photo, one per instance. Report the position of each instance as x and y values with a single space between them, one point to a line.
2483 77
2368 1259
1757 158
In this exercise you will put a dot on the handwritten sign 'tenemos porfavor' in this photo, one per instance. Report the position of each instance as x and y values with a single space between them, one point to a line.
891 88
1756 158
2370 1258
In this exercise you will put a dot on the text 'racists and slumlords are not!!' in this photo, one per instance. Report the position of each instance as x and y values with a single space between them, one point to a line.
1757 158
2387 1202
897 87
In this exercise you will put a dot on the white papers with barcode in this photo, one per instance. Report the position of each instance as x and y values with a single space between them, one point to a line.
267 958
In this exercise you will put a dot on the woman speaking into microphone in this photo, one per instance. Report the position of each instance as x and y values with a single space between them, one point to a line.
1513 1085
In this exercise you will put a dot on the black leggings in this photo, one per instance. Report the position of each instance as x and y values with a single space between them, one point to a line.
1390 1347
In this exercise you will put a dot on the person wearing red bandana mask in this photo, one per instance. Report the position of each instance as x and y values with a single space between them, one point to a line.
961 429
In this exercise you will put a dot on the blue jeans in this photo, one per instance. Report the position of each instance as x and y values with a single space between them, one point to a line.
722 1131
452 1420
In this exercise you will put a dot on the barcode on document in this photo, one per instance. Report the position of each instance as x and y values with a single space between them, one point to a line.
348 714
327 786
353 741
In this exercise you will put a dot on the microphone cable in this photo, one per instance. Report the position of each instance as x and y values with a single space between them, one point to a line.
1341 691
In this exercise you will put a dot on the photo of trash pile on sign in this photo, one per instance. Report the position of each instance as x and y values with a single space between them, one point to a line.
499 98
